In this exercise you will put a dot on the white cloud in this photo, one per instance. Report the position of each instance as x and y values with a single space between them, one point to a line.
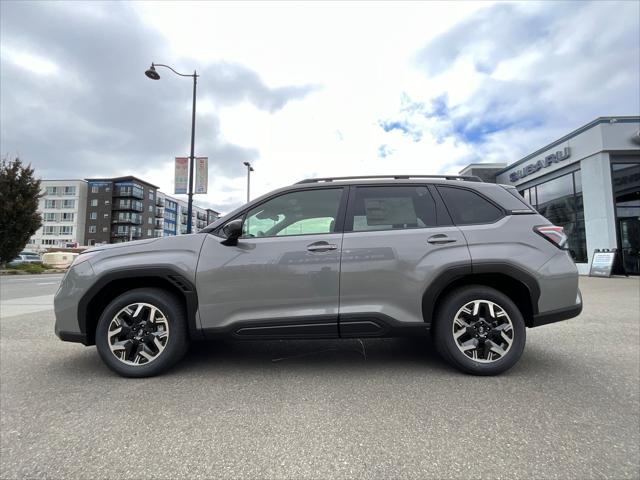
304 89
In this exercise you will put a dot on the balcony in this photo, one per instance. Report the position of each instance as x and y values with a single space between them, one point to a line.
159 202
128 218
134 234
183 219
159 223
133 205
158 233
160 212
202 216
128 192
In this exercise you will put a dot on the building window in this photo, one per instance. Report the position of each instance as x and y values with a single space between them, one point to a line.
69 190
49 230
66 230
93 215
105 229
149 220
95 189
67 217
94 202
560 201
49 204
92 229
106 215
52 190
68 204
106 202
150 208
151 194
49 217
626 194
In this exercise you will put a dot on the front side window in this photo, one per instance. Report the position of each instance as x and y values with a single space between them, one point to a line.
296 213
467 207
392 208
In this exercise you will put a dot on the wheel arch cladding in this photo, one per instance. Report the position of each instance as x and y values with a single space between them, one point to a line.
117 282
519 286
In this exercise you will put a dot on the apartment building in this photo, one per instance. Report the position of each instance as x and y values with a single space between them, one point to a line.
63 209
119 210
128 208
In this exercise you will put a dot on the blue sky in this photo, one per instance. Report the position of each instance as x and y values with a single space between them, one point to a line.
306 89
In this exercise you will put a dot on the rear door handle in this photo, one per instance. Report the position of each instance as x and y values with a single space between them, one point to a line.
440 239
321 247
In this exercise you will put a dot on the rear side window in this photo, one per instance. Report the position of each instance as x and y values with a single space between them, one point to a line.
392 208
467 207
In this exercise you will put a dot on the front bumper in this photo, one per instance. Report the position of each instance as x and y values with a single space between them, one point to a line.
72 337
559 314
65 303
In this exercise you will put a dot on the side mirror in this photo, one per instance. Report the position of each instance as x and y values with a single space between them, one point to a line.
232 231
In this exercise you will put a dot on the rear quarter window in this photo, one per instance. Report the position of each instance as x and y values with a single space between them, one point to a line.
467 207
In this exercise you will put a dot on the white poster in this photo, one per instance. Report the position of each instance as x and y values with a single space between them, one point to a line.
202 174
181 175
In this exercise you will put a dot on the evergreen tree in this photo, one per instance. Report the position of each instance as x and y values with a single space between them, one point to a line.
19 217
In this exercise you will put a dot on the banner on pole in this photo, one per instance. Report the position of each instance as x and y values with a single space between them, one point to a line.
202 174
181 175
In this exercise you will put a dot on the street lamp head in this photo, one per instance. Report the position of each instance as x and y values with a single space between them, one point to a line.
152 74
246 164
251 169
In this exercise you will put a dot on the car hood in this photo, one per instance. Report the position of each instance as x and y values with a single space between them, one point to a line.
112 246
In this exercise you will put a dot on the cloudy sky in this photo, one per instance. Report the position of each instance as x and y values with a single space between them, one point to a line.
302 90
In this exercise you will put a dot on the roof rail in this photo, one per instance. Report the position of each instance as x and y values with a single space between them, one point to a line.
468 178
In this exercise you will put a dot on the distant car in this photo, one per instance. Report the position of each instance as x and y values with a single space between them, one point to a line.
26 258
471 262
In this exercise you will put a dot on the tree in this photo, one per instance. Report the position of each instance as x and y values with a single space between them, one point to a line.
19 217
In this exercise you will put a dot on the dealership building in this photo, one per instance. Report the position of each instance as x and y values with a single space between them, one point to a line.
587 182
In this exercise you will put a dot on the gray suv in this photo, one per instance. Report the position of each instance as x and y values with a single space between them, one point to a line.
470 262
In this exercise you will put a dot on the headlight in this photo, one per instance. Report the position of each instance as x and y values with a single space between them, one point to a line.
83 257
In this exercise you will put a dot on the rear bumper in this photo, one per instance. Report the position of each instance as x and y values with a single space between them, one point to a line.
559 314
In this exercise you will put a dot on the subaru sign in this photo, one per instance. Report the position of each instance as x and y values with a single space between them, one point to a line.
534 167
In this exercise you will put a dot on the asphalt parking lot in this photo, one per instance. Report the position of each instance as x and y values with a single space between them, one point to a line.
324 409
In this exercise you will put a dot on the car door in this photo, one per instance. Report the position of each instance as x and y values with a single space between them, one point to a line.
397 240
281 279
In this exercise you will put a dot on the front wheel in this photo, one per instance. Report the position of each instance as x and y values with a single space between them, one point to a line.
479 330
142 332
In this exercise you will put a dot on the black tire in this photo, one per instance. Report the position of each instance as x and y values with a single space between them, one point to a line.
446 344
177 341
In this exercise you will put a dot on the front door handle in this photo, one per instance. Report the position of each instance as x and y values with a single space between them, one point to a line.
321 247
440 239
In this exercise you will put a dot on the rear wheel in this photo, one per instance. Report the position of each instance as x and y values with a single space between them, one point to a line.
479 330
142 333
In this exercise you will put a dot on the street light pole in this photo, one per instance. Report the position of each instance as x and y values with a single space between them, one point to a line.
153 75
249 170
192 158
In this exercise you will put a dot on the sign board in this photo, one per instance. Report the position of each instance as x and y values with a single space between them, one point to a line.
602 263
181 175
202 174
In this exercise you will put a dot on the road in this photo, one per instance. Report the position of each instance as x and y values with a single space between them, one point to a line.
324 409
21 294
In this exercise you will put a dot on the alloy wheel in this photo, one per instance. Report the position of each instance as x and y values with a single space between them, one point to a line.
138 334
483 331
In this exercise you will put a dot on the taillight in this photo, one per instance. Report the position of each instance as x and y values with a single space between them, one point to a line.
554 234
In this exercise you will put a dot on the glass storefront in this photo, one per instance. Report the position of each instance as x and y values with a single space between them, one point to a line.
560 201
626 193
